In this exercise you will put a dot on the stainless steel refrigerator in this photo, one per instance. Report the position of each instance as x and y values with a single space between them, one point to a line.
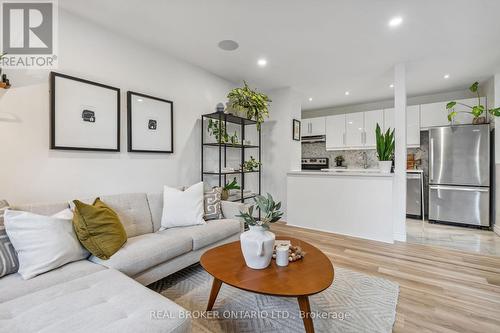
459 174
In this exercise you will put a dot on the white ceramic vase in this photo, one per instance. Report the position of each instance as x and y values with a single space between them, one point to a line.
385 166
257 246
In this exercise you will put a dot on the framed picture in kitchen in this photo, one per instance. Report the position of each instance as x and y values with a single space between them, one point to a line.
150 124
84 115
296 130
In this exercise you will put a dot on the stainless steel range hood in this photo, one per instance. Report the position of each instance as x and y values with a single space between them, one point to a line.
313 138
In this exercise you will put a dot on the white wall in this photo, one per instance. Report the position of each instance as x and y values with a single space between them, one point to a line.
31 172
280 153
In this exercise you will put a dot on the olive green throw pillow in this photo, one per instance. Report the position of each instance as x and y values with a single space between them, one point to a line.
98 228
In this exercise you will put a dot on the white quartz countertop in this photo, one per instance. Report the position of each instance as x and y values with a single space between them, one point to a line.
341 173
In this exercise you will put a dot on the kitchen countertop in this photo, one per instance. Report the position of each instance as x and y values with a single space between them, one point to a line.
341 173
414 171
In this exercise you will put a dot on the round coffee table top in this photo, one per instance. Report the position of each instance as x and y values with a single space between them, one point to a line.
308 276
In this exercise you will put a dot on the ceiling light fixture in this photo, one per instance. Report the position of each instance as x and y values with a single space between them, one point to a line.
395 21
446 76
310 99
347 93
262 62
228 45
391 85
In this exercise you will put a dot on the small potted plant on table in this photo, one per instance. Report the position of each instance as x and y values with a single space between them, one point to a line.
257 244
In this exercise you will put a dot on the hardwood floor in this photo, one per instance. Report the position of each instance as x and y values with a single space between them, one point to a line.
441 290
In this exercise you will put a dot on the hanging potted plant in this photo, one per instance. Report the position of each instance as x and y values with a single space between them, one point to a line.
476 110
257 244
385 148
253 104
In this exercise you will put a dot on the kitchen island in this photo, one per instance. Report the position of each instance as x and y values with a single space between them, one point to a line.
350 202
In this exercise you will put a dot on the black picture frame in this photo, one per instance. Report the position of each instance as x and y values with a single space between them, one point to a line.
296 125
53 113
130 120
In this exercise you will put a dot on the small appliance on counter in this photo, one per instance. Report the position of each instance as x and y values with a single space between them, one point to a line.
315 163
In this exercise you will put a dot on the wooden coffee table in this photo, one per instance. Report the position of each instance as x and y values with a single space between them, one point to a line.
309 276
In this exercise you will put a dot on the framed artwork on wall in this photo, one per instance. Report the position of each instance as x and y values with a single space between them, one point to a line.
296 130
84 115
150 124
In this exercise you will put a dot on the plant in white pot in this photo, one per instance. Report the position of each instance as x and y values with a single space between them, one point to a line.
257 243
385 149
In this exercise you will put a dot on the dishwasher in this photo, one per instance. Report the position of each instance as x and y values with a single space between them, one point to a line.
414 194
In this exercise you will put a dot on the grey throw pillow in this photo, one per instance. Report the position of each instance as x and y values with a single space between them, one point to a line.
213 208
8 257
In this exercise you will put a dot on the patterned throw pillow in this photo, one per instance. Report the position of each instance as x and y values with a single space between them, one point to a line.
8 257
213 209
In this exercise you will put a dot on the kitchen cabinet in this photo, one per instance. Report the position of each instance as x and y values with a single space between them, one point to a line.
335 132
412 124
372 118
354 130
313 126
436 114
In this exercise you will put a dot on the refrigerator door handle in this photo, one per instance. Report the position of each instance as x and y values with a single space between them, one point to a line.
456 188
431 162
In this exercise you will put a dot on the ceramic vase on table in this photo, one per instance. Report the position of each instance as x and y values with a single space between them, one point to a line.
257 245
385 166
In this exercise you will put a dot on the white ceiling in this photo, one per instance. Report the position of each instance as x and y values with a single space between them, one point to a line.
321 48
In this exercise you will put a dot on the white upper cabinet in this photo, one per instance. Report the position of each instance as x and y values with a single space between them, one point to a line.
412 124
335 132
313 126
354 133
372 118
436 114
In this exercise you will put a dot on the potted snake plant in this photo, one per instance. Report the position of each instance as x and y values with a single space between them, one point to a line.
385 149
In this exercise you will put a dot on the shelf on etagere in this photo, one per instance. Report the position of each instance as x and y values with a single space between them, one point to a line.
230 118
244 198
229 145
227 172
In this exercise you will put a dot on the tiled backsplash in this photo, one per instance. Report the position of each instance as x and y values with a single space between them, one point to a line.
354 158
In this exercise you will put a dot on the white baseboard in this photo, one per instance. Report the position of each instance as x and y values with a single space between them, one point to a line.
496 229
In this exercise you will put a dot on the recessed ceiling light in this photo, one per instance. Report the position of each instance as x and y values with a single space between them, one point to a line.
139 100
228 45
310 99
391 85
446 76
262 62
347 93
395 21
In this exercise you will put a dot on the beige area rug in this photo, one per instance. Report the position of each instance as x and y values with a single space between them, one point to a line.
355 302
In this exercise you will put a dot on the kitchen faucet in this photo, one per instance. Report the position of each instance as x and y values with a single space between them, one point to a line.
365 160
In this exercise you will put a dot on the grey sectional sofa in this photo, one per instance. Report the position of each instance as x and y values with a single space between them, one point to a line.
97 295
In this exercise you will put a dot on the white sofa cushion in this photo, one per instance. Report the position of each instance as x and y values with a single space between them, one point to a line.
13 285
206 234
105 301
42 242
132 209
144 251
183 208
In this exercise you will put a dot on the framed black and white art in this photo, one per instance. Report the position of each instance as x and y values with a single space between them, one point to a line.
150 124
296 130
84 115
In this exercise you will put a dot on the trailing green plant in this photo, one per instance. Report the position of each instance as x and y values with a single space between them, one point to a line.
232 185
269 210
255 104
475 110
385 144
218 129
251 165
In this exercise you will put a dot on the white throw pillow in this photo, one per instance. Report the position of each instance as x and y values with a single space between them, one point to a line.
182 208
42 242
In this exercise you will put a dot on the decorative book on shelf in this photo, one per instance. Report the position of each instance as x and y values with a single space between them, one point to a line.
232 142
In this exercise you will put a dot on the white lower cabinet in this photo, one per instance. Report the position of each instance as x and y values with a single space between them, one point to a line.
335 132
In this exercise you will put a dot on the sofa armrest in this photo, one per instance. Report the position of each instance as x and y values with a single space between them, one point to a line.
231 209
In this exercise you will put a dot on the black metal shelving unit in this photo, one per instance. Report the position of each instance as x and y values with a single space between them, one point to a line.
223 148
